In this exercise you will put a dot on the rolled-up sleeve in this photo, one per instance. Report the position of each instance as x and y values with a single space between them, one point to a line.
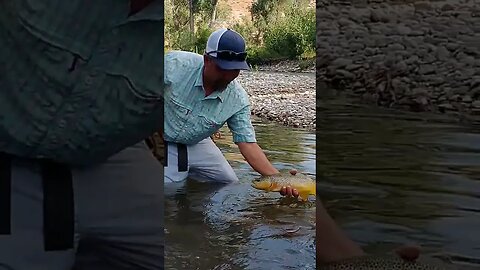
241 126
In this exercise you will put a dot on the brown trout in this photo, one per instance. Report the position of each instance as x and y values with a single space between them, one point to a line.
378 263
302 183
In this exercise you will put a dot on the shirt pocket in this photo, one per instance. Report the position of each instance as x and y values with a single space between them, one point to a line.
108 114
178 116
119 97
208 125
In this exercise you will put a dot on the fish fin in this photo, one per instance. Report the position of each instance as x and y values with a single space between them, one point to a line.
303 195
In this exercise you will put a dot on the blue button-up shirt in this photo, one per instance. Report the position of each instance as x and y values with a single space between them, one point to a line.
79 80
190 116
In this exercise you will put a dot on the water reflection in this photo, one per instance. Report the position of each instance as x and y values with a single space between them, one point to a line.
237 227
392 177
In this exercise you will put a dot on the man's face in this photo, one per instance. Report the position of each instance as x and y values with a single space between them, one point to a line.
220 77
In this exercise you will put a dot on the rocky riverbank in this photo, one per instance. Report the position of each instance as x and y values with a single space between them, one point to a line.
283 97
421 56
303 66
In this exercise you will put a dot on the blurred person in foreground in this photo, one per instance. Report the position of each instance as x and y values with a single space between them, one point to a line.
81 86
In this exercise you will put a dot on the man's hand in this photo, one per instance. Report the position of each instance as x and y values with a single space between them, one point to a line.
289 191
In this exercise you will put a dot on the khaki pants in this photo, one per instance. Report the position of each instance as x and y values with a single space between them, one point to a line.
118 216
204 162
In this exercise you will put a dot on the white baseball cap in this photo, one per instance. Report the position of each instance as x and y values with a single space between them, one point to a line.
227 49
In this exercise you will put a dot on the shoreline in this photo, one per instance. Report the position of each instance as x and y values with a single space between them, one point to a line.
416 56
297 66
282 96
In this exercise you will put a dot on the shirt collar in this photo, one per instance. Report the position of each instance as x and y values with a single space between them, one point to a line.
215 94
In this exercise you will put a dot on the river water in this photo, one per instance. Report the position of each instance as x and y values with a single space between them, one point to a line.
237 227
391 178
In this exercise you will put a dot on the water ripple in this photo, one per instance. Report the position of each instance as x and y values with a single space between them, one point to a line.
397 177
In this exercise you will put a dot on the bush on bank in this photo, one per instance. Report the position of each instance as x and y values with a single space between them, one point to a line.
286 33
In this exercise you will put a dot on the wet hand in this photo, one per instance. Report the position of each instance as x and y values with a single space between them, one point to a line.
289 191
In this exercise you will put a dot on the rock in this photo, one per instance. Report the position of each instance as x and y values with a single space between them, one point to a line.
462 89
419 92
357 85
426 69
442 53
475 82
445 107
341 62
475 111
345 74
414 59
447 7
404 101
403 30
377 58
423 5
452 46
468 60
395 47
360 15
352 67
467 99
357 46
455 97
322 61
416 33
360 90
436 81
343 22
421 100
436 41
401 67
334 10
428 50
330 33
377 15
322 14
476 104
399 87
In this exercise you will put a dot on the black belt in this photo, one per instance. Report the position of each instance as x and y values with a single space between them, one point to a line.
5 193
182 156
58 208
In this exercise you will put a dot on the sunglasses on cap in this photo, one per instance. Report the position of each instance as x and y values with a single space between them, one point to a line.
229 55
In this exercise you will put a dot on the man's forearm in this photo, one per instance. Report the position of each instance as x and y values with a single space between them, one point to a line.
332 243
256 158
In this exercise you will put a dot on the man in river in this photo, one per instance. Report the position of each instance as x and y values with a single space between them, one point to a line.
202 95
